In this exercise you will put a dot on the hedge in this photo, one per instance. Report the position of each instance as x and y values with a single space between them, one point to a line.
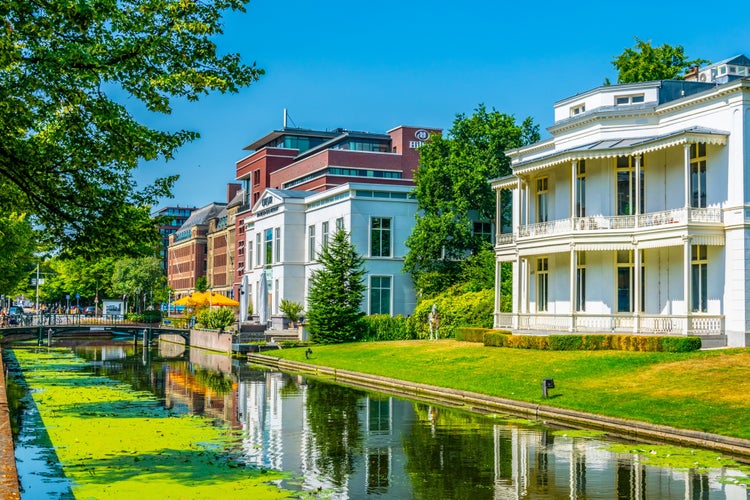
593 342
384 327
469 334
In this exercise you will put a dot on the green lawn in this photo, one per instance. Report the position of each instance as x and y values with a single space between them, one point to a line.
706 391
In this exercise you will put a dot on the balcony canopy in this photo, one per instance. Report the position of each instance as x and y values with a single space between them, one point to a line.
611 148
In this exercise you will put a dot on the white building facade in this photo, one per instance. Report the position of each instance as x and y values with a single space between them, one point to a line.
634 217
288 229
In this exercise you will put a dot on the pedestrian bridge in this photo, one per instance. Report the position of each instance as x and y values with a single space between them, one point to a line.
51 326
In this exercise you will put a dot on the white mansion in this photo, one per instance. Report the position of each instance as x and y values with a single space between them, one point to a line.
634 217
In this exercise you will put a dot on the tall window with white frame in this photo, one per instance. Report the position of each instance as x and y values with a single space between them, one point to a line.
311 243
324 233
699 278
380 237
626 185
249 256
542 199
277 245
268 260
626 281
698 175
581 282
339 223
581 189
380 295
258 253
542 283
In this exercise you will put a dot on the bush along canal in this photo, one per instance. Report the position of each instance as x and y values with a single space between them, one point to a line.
91 436
115 421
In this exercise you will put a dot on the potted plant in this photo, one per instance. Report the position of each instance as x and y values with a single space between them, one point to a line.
292 310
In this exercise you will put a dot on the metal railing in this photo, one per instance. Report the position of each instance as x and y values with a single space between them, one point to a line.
663 218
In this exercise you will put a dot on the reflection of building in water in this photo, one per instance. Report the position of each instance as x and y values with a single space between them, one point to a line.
355 445
199 390
532 463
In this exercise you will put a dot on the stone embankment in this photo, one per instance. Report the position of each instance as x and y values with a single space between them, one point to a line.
9 486
629 429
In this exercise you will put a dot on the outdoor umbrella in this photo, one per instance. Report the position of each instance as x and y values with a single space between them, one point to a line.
206 298
219 300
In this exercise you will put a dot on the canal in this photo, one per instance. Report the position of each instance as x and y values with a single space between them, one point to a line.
339 442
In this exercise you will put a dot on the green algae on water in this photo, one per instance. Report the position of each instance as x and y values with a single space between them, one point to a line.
116 442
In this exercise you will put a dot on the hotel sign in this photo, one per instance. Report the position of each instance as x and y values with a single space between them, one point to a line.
420 135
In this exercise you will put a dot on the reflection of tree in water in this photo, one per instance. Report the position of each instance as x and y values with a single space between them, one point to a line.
447 461
216 382
332 413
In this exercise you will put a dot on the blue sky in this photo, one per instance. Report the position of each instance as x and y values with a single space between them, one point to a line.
371 66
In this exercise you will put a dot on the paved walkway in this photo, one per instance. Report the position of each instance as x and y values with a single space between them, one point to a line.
9 487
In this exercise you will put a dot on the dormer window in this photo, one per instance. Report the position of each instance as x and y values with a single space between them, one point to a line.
578 109
624 100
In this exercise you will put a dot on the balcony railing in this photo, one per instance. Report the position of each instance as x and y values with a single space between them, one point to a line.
616 222
702 324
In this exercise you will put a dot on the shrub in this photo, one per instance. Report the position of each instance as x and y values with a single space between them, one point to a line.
680 344
496 338
385 327
468 334
471 309
216 319
292 310
642 343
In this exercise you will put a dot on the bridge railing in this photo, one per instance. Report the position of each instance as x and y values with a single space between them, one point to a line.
51 319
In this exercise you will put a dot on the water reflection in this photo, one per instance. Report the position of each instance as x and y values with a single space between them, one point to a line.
349 443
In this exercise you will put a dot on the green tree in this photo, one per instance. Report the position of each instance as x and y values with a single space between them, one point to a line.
644 63
88 278
68 145
453 192
201 284
17 247
138 279
336 292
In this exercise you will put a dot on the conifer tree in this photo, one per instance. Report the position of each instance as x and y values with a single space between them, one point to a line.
336 292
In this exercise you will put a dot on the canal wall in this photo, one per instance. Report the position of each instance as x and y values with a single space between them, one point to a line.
9 486
211 340
628 429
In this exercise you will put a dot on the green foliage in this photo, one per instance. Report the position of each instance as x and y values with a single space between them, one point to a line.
215 318
680 344
385 327
496 338
455 310
150 316
336 291
645 63
642 343
466 334
292 310
453 191
138 278
87 277
70 145
201 284
17 247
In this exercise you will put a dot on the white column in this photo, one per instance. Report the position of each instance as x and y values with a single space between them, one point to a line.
573 267
637 290
686 155
516 290
526 201
498 215
686 279
498 289
638 193
573 182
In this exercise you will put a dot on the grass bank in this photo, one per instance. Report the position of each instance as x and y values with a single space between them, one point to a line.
114 442
707 391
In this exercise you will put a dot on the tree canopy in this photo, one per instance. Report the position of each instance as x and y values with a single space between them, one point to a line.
17 247
337 289
68 144
645 63
453 193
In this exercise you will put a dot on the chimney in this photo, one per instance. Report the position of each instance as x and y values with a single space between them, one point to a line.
232 189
